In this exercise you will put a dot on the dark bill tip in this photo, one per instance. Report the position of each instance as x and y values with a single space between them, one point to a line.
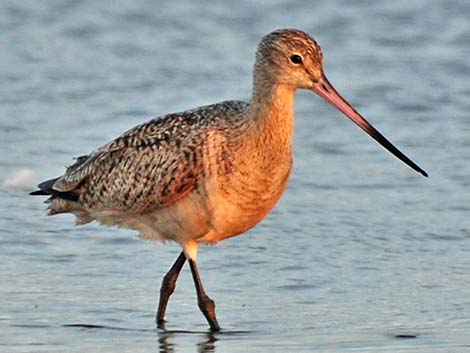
326 90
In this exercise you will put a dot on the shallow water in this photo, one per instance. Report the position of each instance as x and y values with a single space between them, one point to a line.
361 254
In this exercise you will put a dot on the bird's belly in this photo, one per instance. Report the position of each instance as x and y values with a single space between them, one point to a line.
218 209
186 219
237 207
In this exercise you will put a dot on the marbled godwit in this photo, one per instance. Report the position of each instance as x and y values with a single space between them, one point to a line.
209 173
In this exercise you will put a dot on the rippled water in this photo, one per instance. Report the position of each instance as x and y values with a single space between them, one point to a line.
361 254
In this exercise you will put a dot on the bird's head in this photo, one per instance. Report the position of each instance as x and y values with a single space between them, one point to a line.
292 58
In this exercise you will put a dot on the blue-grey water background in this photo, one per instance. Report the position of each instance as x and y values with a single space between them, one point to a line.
361 254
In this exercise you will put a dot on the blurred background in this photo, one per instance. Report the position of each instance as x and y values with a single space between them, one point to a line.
360 254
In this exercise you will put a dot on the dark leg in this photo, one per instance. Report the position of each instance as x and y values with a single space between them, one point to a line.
206 304
167 288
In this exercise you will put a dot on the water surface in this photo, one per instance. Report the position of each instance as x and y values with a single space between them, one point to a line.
361 254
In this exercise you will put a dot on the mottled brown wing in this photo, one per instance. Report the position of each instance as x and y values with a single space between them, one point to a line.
152 165
138 179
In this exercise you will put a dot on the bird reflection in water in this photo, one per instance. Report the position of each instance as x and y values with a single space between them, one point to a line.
166 339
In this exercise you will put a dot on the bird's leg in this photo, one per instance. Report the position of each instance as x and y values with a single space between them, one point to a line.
167 288
206 304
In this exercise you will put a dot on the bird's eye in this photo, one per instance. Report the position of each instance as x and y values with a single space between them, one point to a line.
296 59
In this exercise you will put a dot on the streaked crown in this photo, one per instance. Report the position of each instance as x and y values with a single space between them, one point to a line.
289 56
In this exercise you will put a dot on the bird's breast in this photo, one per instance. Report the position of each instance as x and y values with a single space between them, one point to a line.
243 186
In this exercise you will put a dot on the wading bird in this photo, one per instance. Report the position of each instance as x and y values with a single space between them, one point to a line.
206 174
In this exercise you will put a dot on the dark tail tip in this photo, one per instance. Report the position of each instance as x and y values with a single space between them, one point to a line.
38 192
46 188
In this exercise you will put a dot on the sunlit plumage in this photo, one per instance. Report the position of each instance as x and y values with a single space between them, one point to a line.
206 174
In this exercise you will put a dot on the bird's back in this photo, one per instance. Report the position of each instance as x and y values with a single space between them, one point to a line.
149 167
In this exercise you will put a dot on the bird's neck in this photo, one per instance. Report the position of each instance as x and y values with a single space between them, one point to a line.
272 110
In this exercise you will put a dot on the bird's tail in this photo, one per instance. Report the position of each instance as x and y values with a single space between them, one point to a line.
46 188
62 201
